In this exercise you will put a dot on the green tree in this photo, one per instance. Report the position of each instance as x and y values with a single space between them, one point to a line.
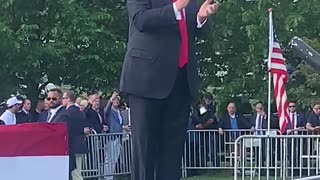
76 42
233 58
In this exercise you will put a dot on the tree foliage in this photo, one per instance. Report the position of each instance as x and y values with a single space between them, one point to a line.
62 41
234 57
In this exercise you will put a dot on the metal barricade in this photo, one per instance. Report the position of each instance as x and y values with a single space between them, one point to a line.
289 156
207 149
109 155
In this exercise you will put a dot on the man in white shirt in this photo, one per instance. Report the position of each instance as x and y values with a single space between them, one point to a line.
9 116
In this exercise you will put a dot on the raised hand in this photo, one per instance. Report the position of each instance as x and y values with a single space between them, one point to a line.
207 9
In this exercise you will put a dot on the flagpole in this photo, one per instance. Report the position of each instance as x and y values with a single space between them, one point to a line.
269 68
269 89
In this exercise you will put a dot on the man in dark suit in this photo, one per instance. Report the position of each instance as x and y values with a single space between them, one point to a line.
94 118
259 121
24 116
56 111
233 121
75 120
44 114
160 77
295 126
297 120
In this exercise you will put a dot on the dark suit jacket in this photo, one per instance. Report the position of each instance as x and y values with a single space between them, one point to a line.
151 62
58 116
93 120
112 119
23 117
75 120
264 121
43 116
301 121
225 123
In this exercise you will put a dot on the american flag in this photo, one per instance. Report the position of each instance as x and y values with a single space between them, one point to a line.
280 78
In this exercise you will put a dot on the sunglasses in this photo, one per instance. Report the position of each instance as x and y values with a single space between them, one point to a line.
53 99
292 106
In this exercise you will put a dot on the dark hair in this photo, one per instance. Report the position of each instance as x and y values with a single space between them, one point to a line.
315 103
259 102
231 102
208 96
72 95
292 102
56 90
25 99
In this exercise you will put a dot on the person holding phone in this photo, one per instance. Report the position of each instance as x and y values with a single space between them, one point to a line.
161 80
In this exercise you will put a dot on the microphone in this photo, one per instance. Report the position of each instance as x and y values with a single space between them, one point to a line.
303 51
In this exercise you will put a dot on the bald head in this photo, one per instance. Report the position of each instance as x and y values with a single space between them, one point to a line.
231 108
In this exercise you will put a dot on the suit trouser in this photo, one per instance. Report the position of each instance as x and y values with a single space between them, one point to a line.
159 132
113 148
76 173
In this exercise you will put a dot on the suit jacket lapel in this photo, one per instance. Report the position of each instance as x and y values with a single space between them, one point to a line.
53 119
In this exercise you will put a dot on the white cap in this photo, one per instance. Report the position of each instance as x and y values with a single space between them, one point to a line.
13 101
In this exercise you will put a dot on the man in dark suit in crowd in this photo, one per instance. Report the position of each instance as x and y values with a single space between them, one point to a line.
75 120
24 116
56 111
259 121
94 117
295 126
233 121
160 77
297 120
44 114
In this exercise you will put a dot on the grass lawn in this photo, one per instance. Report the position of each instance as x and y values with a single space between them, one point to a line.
225 175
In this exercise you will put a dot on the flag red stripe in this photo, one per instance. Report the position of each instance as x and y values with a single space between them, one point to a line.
277 61
282 108
36 139
278 71
276 50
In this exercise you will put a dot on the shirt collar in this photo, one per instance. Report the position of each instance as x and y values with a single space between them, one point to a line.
25 111
232 116
10 112
53 111
70 105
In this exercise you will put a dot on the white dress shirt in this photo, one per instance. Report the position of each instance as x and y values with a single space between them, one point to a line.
294 121
8 118
257 122
178 16
53 113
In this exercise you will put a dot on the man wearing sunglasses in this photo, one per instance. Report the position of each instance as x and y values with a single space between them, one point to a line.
56 111
297 120
296 123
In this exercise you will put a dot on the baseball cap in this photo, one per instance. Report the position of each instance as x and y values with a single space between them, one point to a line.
13 101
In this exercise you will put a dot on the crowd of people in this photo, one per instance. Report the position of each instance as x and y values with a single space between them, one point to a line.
96 114
83 115
208 145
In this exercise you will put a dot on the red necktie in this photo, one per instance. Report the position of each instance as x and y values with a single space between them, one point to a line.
183 58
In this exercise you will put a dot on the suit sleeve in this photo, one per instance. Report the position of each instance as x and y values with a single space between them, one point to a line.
145 18
222 123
